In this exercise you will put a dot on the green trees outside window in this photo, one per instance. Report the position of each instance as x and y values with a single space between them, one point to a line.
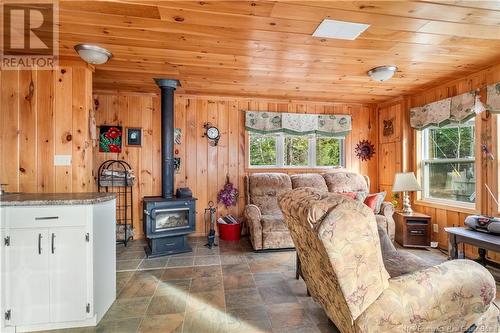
284 150
328 151
448 164
296 151
262 150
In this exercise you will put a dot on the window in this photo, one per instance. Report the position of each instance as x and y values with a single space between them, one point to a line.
284 150
296 150
263 150
448 163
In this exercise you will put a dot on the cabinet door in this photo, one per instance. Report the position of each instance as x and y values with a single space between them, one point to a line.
28 276
68 274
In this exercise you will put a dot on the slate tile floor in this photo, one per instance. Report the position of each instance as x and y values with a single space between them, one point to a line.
225 289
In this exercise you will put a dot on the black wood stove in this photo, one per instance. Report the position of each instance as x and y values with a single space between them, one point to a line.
167 219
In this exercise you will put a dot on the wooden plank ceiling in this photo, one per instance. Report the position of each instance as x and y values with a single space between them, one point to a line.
266 48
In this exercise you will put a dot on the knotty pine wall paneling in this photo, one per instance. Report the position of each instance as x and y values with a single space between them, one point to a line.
204 167
486 171
45 113
393 157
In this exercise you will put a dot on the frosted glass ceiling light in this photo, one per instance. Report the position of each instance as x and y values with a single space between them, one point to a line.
93 54
382 73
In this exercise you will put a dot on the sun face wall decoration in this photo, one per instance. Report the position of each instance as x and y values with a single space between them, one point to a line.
364 150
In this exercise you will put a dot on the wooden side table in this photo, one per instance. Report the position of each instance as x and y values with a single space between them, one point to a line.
483 241
413 230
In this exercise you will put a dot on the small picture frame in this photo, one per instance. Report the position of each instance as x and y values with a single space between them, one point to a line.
134 136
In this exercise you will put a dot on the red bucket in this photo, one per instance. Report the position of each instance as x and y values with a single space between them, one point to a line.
229 232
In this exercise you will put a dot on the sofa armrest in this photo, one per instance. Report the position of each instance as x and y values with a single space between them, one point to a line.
454 294
387 209
254 216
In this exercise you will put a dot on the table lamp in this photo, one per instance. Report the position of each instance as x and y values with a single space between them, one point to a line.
406 182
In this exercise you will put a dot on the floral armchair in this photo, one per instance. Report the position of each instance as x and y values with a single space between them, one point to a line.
341 262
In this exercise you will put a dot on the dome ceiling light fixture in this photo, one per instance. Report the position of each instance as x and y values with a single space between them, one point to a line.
382 73
93 54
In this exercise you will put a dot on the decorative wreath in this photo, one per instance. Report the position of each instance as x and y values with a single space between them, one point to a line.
364 150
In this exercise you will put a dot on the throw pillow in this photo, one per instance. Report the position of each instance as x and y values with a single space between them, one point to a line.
374 201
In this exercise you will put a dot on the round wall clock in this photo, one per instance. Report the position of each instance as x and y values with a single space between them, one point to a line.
212 133
364 150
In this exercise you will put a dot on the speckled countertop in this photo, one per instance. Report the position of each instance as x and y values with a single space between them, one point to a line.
43 199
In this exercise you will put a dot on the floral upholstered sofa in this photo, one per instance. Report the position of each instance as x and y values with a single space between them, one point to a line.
343 267
265 220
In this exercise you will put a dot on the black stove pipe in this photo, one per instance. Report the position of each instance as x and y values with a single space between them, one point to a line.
167 87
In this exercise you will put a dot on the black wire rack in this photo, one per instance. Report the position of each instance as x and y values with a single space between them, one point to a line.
116 176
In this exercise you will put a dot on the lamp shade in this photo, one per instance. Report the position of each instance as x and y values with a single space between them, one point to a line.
405 182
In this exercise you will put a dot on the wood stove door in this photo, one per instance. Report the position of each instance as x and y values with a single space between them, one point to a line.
170 219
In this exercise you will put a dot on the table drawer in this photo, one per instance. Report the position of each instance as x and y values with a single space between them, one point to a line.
417 234
45 216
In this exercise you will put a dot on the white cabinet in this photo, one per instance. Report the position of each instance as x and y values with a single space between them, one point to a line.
27 278
68 274
52 275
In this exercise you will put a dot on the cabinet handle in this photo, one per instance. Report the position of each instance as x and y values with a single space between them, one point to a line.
53 245
39 243
46 218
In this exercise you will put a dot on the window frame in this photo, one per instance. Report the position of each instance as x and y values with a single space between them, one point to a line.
423 163
280 154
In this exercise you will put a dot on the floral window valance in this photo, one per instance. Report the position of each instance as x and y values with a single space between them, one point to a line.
493 98
457 109
298 124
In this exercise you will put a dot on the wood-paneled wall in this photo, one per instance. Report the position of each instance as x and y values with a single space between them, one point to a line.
203 167
45 113
406 147
389 145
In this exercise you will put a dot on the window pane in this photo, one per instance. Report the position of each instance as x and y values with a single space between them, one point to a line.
449 166
452 181
296 150
451 142
262 150
328 151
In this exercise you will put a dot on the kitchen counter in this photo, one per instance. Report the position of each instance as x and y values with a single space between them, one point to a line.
57 260
43 199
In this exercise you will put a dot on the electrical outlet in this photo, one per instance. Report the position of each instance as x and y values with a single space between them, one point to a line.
435 227
62 160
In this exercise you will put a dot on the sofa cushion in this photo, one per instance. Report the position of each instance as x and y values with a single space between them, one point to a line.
264 189
271 223
345 181
277 240
309 180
